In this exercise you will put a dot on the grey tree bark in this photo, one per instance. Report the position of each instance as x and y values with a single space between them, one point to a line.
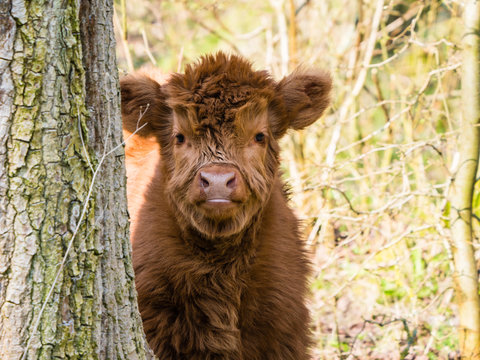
461 190
66 280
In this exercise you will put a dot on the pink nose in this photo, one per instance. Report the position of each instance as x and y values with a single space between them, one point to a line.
218 187
217 179
218 182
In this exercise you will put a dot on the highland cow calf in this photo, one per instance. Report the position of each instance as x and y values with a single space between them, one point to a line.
221 271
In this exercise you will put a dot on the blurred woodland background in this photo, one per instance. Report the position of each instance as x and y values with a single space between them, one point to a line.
370 179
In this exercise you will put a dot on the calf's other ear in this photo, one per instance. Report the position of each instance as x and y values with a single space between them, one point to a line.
306 95
143 104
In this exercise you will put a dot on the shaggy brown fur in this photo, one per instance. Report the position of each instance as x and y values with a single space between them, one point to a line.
220 267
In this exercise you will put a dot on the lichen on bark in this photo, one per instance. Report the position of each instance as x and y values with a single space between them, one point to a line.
53 95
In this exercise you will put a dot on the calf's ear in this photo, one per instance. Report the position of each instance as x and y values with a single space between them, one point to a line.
306 95
144 104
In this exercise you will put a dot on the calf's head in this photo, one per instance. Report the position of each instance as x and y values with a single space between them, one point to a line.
218 126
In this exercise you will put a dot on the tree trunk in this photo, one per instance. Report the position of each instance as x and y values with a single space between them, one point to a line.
66 280
466 276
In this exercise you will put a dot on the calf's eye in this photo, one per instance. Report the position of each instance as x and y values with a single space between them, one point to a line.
180 138
260 137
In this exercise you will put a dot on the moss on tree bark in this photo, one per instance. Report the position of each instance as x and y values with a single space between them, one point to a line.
59 85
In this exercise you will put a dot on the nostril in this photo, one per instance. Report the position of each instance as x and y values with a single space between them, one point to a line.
203 181
232 182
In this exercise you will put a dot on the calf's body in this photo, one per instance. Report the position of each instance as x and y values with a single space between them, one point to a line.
221 271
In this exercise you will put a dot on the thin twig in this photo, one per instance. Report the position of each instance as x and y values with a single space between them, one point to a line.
373 254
